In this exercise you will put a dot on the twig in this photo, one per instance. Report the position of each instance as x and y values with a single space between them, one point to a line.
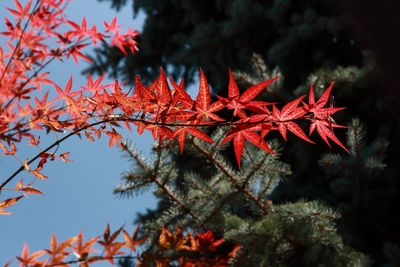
19 40
231 178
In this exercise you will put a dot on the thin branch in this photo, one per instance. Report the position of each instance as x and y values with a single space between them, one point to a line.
35 9
114 119
217 209
20 169
51 60
231 178
92 259
173 198
166 190
119 118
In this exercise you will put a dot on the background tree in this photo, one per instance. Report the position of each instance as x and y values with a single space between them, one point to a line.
309 41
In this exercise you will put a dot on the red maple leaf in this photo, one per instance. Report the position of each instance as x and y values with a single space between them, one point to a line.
58 252
110 246
82 249
204 108
30 260
181 132
115 137
113 26
79 31
21 12
239 102
241 133
132 242
322 120
143 97
284 119
206 241
180 96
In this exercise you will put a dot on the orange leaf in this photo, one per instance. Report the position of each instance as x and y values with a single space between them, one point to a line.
3 212
58 252
32 191
64 157
6 151
9 202
81 248
111 248
39 175
30 260
132 242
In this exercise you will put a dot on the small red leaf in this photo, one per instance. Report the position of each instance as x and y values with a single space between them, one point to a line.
255 90
294 128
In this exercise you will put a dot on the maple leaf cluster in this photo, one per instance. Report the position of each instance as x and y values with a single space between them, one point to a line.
38 33
170 113
34 40
201 249
31 104
164 107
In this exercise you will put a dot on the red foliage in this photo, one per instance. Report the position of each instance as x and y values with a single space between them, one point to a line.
28 107
198 250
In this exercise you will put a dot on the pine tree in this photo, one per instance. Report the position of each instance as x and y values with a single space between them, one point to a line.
236 205
297 36
305 42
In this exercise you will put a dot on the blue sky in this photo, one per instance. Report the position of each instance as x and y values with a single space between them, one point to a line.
78 196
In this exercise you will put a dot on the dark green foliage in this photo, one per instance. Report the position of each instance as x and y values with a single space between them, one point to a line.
235 204
298 234
306 42
181 35
357 188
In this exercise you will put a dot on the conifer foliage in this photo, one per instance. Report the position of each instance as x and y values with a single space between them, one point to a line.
305 42
236 204
32 103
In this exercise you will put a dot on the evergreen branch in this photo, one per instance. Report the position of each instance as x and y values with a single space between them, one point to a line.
265 189
174 198
253 171
230 176
165 189
218 208
126 189
142 164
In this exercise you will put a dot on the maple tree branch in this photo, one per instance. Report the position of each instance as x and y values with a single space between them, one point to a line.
19 125
92 259
120 118
43 65
51 60
112 119
15 51
20 169
35 9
